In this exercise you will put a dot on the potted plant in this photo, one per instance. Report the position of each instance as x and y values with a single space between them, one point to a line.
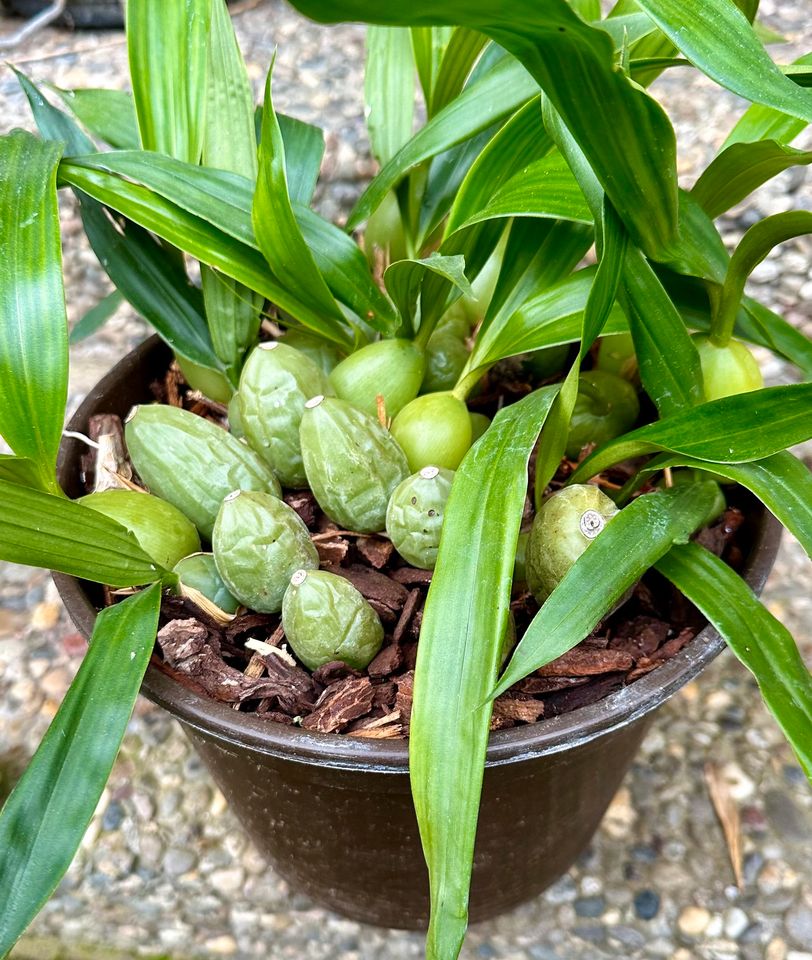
356 385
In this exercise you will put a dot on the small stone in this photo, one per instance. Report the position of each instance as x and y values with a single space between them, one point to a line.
113 816
736 922
178 861
785 817
776 950
799 955
223 946
798 923
628 936
620 816
562 891
589 906
592 932
646 904
693 921
227 881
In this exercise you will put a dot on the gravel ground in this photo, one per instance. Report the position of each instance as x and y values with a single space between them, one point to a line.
165 869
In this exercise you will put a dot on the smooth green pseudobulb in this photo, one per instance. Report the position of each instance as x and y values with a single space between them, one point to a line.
199 571
727 370
392 369
211 383
352 463
325 355
234 419
606 407
616 355
384 237
276 381
544 364
164 533
259 542
479 424
564 527
688 476
433 430
446 354
325 618
414 518
193 463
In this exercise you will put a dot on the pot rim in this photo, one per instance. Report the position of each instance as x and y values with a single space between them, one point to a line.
556 734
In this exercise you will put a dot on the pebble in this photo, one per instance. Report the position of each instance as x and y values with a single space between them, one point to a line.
178 861
799 925
646 904
589 906
736 922
693 921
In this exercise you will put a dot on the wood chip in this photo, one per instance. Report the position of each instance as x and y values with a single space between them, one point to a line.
378 728
375 550
385 596
386 662
406 614
332 551
640 636
518 707
341 703
411 576
582 662
403 700
304 503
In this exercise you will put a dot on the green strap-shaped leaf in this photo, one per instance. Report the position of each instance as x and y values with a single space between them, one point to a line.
545 188
623 132
521 141
752 249
229 143
766 123
718 39
275 226
720 431
458 59
762 644
304 151
389 90
404 282
428 47
552 317
496 95
97 316
109 115
197 237
167 44
45 818
741 168
631 542
782 482
19 470
151 280
44 530
458 657
601 299
33 324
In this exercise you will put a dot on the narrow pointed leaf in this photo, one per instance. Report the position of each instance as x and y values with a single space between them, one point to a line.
45 818
275 226
720 431
33 323
739 169
766 123
631 542
759 641
498 94
458 658
389 90
44 530
404 281
304 151
167 45
629 142
455 67
108 115
718 39
782 482
20 470
752 249
97 316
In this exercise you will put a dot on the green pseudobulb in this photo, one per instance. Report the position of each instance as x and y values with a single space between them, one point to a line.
566 524
164 533
479 424
325 355
616 355
727 370
199 571
414 518
211 383
352 463
433 430
606 407
259 542
325 619
192 463
392 369
446 355
276 381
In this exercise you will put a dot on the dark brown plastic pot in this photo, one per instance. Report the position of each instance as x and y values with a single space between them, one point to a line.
333 814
